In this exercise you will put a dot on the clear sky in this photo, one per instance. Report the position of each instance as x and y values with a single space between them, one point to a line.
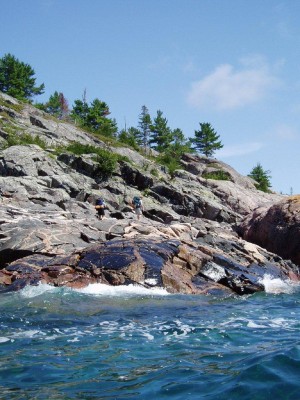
232 63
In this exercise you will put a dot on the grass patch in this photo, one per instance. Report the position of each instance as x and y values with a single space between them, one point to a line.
25 139
106 160
9 104
154 172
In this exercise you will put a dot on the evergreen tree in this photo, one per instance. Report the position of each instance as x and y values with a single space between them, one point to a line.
142 135
53 104
206 140
94 117
128 136
98 111
161 135
57 105
80 112
17 79
171 156
261 177
108 128
179 144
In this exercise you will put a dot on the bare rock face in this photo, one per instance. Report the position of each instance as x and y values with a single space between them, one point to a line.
186 240
277 228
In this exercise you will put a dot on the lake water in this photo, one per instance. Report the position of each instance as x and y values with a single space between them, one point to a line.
133 343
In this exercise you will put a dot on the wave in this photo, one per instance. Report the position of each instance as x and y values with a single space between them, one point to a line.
34 291
122 290
277 285
271 285
97 289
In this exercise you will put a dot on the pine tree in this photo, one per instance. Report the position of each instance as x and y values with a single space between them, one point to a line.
161 135
17 79
128 136
261 177
94 117
142 135
53 105
179 144
98 111
57 105
108 128
206 140
80 112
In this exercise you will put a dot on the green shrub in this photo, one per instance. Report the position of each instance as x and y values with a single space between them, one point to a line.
9 104
106 160
154 172
13 140
217 175
123 158
170 162
79 148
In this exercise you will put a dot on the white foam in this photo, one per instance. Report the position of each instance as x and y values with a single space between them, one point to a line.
214 271
148 336
33 291
121 290
277 285
4 339
97 289
252 324
32 333
151 281
73 340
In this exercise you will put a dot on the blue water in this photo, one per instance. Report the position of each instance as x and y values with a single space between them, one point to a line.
58 343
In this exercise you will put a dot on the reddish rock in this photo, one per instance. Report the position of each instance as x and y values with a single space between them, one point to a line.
276 228
5 278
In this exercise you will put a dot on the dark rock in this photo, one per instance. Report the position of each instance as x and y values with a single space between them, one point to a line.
135 177
37 122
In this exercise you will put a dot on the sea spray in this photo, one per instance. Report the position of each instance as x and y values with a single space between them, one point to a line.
276 285
122 290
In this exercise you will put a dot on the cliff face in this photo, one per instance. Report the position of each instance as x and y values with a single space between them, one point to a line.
277 228
48 222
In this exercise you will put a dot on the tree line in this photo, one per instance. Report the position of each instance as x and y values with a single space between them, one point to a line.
18 80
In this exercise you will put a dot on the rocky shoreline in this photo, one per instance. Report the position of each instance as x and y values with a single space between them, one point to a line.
197 235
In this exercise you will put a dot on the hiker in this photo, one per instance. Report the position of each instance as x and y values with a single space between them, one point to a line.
137 205
100 207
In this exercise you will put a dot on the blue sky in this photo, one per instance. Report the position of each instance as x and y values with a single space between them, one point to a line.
232 63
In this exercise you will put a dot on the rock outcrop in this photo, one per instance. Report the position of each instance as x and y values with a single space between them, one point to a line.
187 241
277 228
179 266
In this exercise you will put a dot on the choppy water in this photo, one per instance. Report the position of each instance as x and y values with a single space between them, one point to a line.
130 343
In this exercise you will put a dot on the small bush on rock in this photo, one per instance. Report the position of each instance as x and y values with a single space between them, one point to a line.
217 175
106 160
13 140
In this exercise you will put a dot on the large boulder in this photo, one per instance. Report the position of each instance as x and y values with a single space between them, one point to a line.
277 228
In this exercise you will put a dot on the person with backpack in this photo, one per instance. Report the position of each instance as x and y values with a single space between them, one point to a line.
137 205
100 207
